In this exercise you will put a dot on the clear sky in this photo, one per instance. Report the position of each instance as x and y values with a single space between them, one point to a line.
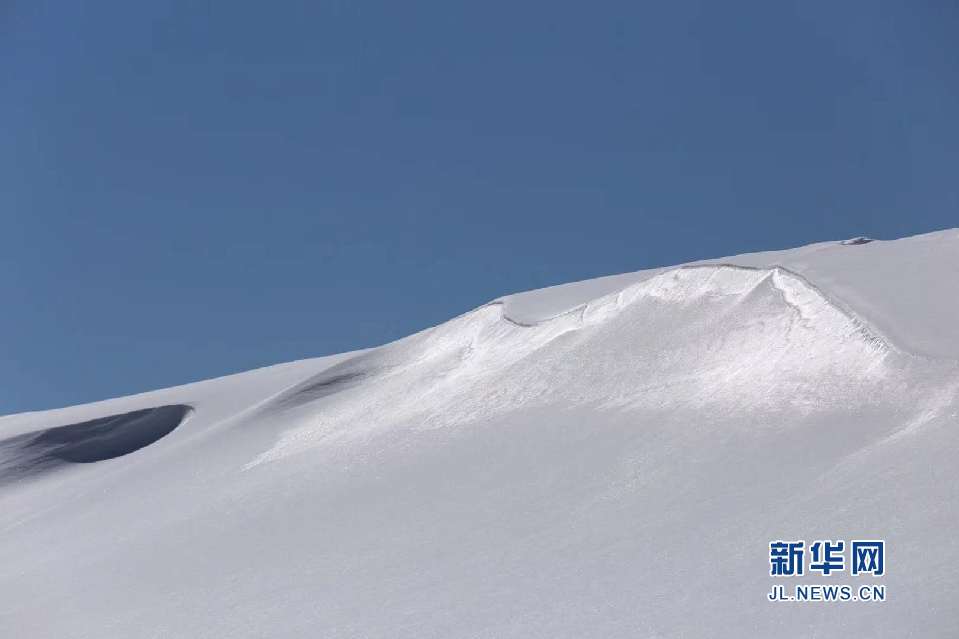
189 189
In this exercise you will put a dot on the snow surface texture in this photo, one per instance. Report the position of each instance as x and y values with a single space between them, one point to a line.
602 459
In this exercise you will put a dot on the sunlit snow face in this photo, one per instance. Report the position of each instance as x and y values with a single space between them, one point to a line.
720 337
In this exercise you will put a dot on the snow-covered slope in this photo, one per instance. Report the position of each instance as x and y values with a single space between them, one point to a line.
608 458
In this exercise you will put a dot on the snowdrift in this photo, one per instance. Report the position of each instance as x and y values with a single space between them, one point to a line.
602 459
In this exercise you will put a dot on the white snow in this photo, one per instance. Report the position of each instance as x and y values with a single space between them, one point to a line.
608 458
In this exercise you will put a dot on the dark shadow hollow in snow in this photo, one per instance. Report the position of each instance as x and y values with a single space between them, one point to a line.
335 380
328 385
86 442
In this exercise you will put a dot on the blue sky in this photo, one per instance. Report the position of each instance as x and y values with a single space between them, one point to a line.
193 189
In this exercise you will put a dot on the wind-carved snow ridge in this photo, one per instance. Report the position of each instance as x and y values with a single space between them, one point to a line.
720 336
729 279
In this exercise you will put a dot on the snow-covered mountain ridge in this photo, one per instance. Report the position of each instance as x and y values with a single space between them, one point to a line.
608 458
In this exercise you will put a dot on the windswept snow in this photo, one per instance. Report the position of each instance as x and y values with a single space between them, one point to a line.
906 288
781 346
601 459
